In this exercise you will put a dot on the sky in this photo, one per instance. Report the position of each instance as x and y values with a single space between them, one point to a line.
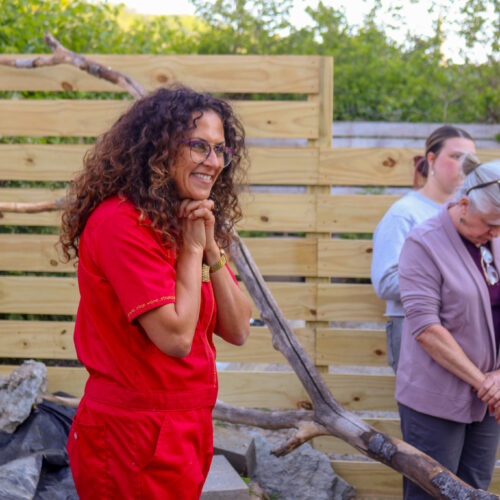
415 16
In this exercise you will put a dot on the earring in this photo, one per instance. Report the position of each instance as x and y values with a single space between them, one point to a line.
462 220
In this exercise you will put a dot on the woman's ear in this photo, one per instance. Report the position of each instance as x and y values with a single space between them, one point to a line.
430 157
464 205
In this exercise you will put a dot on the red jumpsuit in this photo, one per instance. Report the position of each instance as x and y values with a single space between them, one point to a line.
144 426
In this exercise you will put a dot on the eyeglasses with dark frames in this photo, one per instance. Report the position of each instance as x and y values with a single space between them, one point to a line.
482 185
489 269
200 150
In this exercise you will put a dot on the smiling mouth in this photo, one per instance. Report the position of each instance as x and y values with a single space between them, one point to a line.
203 177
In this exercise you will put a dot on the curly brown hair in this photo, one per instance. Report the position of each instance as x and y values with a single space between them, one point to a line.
133 160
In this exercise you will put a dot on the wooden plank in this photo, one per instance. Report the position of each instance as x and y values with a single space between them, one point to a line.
60 162
284 165
251 389
325 98
336 302
352 213
40 162
349 302
373 480
32 252
54 340
90 118
258 389
38 295
407 129
374 166
262 211
278 212
363 391
367 166
258 348
395 143
209 73
37 339
47 295
297 256
345 346
376 481
344 258
38 252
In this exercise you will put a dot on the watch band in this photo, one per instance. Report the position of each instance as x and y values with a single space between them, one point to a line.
220 263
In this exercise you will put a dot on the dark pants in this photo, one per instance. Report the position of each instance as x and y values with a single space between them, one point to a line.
467 450
393 331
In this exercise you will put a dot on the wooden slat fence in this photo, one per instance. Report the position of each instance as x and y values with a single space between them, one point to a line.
317 279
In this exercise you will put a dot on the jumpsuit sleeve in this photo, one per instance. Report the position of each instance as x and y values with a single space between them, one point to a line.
135 263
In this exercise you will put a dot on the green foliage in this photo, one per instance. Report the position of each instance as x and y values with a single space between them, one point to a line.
376 78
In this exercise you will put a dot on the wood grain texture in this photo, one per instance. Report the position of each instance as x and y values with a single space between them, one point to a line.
60 162
259 349
59 295
259 389
374 166
345 346
37 339
351 213
208 73
278 212
32 252
38 252
336 302
349 302
88 118
54 340
339 258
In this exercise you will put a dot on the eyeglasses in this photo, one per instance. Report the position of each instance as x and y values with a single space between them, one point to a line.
484 184
200 150
489 269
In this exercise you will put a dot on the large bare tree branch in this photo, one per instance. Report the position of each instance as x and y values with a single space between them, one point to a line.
327 415
65 56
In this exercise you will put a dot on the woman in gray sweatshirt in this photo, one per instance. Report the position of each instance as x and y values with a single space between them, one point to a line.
441 166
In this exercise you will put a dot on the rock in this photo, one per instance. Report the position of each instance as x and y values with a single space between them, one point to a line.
303 474
223 483
237 447
19 391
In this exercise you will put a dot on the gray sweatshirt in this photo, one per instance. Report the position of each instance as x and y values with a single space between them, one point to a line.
388 240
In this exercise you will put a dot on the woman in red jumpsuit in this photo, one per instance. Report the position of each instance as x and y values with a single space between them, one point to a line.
149 214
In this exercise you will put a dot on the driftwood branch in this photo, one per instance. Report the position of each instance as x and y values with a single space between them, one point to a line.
330 415
327 415
61 55
32 208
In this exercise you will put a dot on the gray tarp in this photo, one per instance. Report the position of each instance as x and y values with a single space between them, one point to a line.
33 460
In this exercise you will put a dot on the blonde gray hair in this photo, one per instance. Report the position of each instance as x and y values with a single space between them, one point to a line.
484 199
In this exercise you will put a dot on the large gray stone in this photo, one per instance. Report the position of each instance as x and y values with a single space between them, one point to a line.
303 474
223 483
19 391
237 447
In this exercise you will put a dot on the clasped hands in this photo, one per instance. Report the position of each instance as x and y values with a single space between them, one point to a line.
489 392
197 223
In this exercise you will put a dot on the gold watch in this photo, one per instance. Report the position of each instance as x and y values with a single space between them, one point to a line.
220 263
